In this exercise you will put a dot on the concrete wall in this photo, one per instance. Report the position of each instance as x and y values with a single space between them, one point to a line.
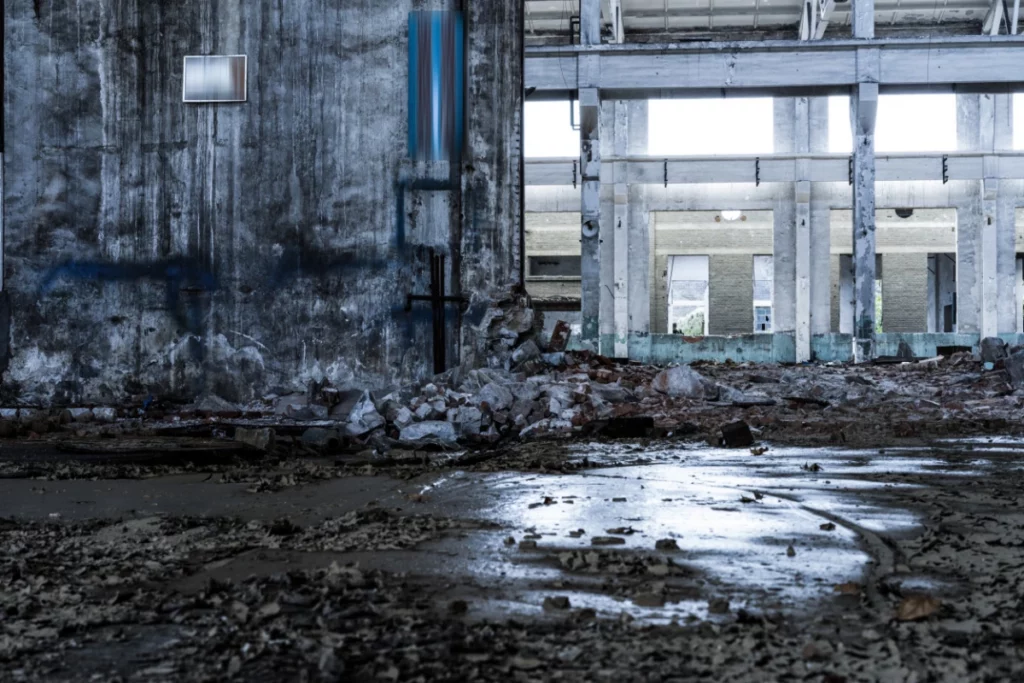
288 200
904 292
731 294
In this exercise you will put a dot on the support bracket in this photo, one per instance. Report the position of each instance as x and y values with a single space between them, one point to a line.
666 173
850 172
575 163
757 172
945 169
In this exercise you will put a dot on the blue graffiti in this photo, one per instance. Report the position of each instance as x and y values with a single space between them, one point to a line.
178 276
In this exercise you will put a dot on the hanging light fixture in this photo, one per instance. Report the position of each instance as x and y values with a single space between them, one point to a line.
732 215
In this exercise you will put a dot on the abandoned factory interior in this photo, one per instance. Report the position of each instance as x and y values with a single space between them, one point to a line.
512 340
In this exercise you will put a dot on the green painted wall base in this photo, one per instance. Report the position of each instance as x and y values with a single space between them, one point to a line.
662 349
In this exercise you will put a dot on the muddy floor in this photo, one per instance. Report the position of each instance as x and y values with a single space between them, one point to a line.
579 561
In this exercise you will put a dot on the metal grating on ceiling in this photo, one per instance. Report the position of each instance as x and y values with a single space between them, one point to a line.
552 17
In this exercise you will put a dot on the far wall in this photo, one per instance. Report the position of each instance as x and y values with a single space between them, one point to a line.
903 244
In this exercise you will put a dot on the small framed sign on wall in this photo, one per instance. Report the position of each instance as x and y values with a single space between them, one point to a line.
215 78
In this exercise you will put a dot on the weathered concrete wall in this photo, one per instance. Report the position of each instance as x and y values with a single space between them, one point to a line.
731 295
289 200
904 292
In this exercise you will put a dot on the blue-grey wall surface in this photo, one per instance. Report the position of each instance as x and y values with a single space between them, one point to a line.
156 247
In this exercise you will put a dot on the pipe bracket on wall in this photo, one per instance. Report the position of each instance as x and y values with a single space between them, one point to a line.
850 170
945 169
666 173
574 171
757 172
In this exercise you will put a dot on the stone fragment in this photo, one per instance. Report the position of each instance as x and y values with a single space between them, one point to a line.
324 439
666 544
560 337
424 411
497 396
104 414
260 439
993 350
607 540
403 417
737 435
81 414
433 430
555 360
527 351
467 420
718 606
364 417
681 382
557 603
1015 369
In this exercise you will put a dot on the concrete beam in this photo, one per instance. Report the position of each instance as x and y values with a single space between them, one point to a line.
780 168
775 67
863 113
1015 20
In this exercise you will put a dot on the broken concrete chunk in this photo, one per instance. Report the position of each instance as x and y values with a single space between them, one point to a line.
560 337
607 540
555 360
497 396
104 414
434 430
261 439
364 417
403 418
666 544
1015 368
993 350
528 351
467 420
424 411
680 382
324 439
81 414
718 606
737 435
558 603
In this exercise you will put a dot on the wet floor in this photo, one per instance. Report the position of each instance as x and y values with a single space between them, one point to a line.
777 531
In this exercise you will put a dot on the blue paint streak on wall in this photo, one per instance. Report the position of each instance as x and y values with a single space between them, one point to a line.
414 47
436 85
176 274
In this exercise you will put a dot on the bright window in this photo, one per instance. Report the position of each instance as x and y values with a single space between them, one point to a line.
548 130
905 123
711 127
688 295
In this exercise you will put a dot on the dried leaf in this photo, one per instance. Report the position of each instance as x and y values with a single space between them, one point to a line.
828 527
758 450
848 588
917 607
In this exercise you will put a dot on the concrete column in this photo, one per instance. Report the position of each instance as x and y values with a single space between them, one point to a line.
821 233
1018 297
784 242
621 232
863 111
846 300
590 174
590 207
802 199
986 249
933 295
863 18
638 232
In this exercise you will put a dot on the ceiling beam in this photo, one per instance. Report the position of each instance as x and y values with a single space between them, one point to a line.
1015 23
778 66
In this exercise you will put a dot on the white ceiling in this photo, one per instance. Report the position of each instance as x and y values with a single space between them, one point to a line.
671 16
